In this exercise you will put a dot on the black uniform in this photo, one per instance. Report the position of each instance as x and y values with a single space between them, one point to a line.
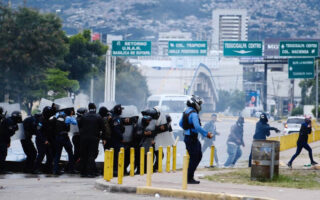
117 130
7 129
262 131
45 140
62 140
90 126
30 128
302 142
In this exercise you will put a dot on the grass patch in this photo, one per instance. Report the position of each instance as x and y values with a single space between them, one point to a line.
302 179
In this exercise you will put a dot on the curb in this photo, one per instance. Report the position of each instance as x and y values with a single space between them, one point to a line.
176 193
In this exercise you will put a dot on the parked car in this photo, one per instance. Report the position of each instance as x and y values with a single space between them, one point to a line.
293 124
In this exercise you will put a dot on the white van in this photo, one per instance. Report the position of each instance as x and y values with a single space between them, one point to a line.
172 104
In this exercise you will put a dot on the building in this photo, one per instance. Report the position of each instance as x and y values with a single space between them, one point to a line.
228 25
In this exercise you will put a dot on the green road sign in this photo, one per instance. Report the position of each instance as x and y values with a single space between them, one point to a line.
131 48
298 48
242 48
187 48
301 68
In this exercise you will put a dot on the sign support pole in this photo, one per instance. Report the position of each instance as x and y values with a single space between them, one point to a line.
265 89
317 89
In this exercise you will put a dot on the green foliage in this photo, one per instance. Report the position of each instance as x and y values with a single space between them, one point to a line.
234 100
297 111
58 82
84 58
30 42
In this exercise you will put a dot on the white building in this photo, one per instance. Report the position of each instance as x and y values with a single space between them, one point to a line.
228 25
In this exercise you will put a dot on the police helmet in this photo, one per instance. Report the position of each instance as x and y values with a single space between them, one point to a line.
46 112
103 111
117 109
195 102
92 107
81 111
16 116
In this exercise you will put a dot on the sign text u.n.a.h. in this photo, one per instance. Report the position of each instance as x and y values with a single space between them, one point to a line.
131 48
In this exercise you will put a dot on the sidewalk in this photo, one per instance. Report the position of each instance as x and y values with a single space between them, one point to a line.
174 181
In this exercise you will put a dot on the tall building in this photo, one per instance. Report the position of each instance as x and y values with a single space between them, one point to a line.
228 25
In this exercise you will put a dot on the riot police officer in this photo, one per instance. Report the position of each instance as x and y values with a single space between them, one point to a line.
106 117
30 128
76 136
90 126
262 131
117 130
191 124
62 140
45 140
8 126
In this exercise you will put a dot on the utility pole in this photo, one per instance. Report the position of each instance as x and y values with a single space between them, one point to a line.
265 88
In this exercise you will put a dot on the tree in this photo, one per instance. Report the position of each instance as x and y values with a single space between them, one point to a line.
30 43
84 58
58 82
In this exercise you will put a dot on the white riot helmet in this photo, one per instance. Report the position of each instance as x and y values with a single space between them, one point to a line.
195 102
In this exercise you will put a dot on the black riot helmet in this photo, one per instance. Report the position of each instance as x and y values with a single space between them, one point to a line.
145 120
195 102
154 113
103 111
117 109
263 118
81 111
92 107
16 117
47 112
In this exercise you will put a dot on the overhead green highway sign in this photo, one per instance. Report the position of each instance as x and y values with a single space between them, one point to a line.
242 48
301 68
298 48
187 48
131 48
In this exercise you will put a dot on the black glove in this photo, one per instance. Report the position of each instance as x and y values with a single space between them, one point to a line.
277 130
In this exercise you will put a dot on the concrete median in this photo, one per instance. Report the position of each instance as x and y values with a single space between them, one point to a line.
167 192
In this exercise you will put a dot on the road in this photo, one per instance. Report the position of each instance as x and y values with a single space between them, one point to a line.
30 187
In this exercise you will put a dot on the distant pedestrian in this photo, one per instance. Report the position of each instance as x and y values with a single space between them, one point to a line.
207 142
302 142
234 142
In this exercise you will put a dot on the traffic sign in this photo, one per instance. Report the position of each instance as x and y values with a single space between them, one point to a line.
187 48
301 68
131 48
299 48
242 48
